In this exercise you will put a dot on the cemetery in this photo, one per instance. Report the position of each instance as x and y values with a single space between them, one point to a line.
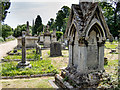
85 56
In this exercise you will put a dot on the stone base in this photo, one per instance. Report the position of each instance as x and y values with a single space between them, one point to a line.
24 65
70 78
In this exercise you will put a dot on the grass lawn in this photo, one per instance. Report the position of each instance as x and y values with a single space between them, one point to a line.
112 45
38 67
56 63
42 82
31 54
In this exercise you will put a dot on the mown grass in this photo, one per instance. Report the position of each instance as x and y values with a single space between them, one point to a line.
42 82
28 56
38 67
112 46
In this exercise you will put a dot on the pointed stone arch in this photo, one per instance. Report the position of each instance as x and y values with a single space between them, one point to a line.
98 27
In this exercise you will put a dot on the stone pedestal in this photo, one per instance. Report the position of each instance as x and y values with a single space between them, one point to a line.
47 41
24 65
55 49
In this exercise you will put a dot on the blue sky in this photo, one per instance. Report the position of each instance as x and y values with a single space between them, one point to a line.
22 11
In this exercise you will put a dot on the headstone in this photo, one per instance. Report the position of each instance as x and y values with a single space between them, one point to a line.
55 49
86 32
23 63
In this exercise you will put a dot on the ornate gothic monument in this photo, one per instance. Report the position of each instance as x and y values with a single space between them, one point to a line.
86 32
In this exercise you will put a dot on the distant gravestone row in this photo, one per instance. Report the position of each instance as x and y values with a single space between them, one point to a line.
47 38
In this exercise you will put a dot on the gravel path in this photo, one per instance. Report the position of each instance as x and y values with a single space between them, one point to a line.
6 47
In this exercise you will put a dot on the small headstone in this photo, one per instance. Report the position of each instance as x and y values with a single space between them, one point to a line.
55 49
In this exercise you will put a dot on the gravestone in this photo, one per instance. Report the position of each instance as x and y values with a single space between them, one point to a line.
55 49
86 33
23 63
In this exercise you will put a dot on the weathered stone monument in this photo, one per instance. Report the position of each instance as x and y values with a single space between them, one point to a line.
53 36
28 32
47 38
87 32
23 63
55 49
30 40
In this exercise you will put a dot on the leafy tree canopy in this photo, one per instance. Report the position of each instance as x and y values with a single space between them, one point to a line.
6 31
19 29
4 6
37 28
111 11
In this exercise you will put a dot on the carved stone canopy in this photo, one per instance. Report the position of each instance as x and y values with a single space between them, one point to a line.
84 18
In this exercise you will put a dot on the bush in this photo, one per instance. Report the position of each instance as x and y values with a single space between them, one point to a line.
59 34
1 39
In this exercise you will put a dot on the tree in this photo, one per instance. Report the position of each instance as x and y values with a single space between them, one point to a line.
60 18
51 24
111 12
6 31
19 29
4 6
38 24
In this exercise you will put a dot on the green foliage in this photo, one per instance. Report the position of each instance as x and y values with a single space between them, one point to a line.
59 34
5 5
38 27
1 39
111 12
6 31
61 18
51 24
19 29
38 67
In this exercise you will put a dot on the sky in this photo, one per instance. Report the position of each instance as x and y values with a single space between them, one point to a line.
22 11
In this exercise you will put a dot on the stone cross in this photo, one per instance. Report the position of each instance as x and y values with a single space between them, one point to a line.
23 47
23 63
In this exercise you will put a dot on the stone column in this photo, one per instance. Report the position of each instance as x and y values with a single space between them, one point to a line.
101 57
82 59
70 56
